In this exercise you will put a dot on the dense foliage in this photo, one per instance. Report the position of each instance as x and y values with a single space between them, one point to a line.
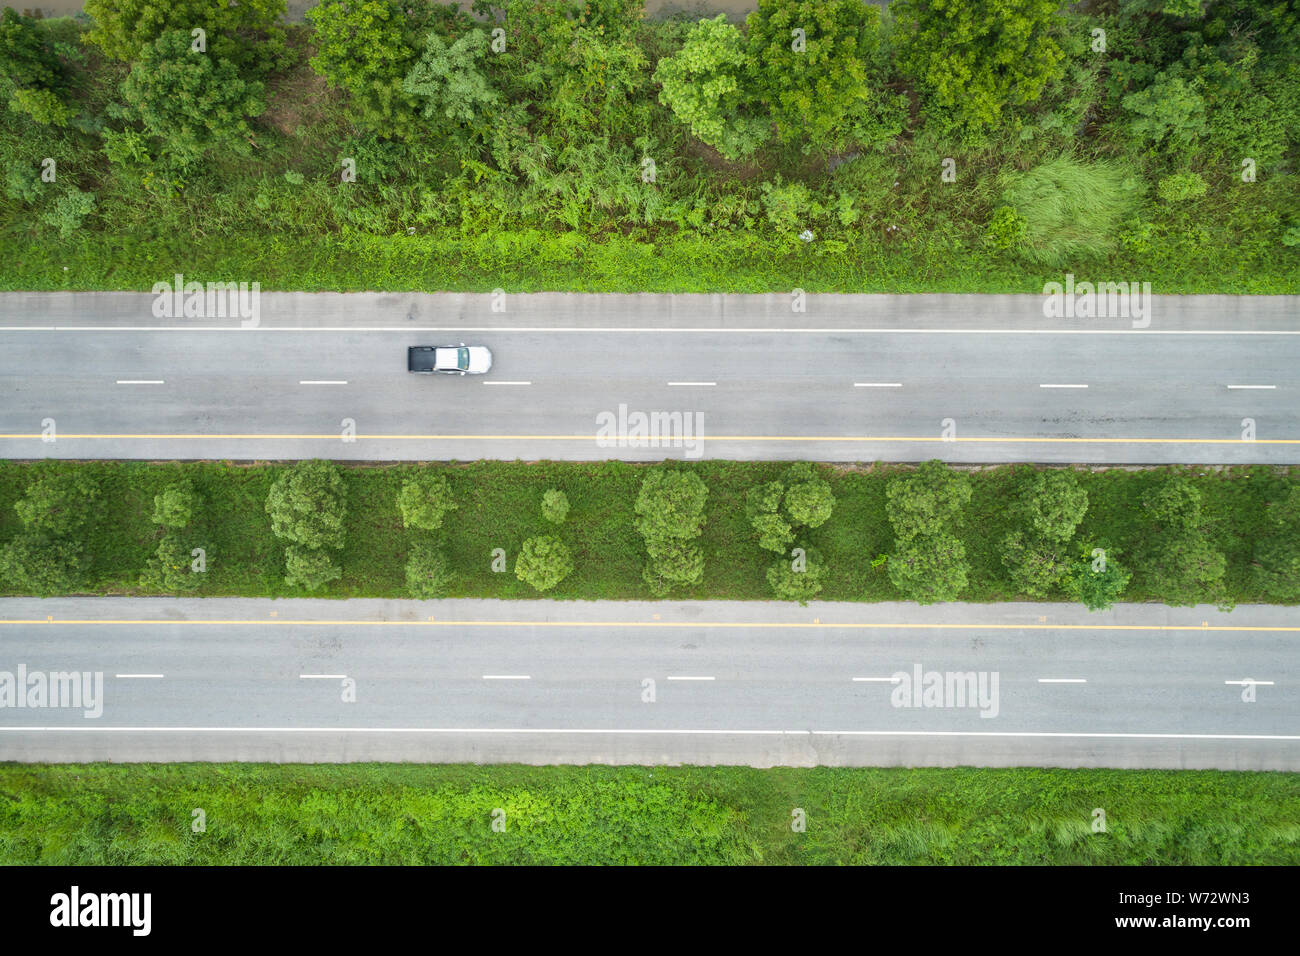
986 145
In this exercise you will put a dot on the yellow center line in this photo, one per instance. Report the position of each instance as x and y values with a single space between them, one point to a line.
335 436
694 624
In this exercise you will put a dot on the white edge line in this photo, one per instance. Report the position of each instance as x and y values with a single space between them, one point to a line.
507 383
140 381
569 730
1248 682
694 384
138 675
1252 386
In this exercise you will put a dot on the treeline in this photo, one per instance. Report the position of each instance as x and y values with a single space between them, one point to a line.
728 530
1031 134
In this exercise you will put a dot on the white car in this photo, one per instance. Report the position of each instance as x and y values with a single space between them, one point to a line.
453 359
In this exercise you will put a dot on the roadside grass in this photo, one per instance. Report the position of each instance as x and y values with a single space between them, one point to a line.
527 260
499 507
141 814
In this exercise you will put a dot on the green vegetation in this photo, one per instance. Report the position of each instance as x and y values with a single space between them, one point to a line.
693 513
410 146
308 509
100 814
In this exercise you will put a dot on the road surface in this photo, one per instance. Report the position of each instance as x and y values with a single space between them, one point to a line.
729 683
1211 379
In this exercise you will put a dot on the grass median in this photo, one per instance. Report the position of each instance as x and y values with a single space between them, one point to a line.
498 507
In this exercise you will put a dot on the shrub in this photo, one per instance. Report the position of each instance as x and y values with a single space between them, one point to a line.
43 106
762 505
68 211
926 502
428 572
929 568
1277 550
27 57
1181 186
171 568
246 33
808 500
670 509
174 506
555 506
1036 564
58 503
307 505
543 562
41 565
1096 581
425 499
797 580
309 568
1054 505
1007 229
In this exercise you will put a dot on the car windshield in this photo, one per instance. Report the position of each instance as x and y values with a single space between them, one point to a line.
462 358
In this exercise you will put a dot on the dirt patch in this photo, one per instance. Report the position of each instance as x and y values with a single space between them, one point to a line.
300 98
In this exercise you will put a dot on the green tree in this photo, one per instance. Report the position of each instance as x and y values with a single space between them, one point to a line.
704 84
929 568
674 562
671 504
1054 505
815 83
308 505
762 505
1168 108
973 59
425 500
368 47
543 562
428 572
926 502
171 568
1037 564
1277 550
449 83
309 568
40 565
191 102
555 506
58 502
1187 569
246 33
174 506
797 580
1096 579
32 77
808 498
1174 505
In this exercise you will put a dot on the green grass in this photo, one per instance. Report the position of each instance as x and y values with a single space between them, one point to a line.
499 507
412 814
539 261
1072 209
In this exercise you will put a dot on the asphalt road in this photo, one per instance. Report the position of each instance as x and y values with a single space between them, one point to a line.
733 683
852 378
